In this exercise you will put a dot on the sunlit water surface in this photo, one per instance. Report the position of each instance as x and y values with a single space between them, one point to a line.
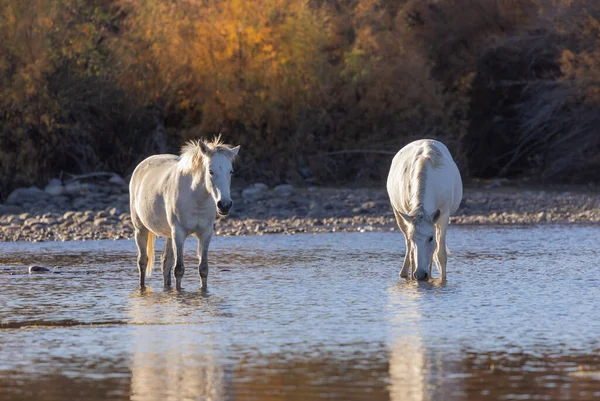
307 317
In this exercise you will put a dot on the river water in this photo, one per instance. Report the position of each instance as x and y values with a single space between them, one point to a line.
307 317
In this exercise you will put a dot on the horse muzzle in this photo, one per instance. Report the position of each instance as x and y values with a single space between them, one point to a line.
421 275
224 207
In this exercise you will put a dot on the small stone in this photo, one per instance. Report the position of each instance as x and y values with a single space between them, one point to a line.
254 193
77 188
38 269
54 190
14 219
23 195
284 189
68 215
260 185
49 221
368 205
103 221
117 180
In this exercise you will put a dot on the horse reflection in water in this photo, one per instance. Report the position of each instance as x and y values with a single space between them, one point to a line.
416 372
179 360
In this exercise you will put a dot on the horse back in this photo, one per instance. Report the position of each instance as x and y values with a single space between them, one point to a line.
425 166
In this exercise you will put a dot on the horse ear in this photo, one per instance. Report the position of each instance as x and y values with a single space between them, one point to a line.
435 216
234 152
203 148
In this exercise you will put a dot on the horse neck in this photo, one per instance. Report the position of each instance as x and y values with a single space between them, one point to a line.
196 183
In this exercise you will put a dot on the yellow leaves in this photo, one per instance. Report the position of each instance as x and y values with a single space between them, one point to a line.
184 104
228 59
45 119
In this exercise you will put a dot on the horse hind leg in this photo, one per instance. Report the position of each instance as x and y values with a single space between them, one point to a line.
141 241
167 263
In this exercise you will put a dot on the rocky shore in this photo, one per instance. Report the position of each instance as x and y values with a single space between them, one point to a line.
84 210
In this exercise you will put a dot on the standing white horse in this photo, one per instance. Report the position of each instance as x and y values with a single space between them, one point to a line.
178 196
425 188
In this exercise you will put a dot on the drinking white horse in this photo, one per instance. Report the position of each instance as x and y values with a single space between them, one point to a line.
178 196
425 188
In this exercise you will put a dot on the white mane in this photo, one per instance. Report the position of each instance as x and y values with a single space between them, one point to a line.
194 152
415 186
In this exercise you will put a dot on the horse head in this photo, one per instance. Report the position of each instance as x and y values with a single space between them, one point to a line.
214 167
421 234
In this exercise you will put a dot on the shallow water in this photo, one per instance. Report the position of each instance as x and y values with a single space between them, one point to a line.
307 317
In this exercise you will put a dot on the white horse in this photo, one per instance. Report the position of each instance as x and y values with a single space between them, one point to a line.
178 196
425 188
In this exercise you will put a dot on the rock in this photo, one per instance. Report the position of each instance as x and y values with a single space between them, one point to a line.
116 180
38 269
54 189
24 195
14 219
77 188
49 221
368 205
84 219
254 193
10 209
114 211
284 189
105 221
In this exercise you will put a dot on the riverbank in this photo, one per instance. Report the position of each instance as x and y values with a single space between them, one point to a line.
95 211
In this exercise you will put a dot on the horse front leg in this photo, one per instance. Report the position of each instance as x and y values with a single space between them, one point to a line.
203 244
167 263
178 240
141 241
441 254
404 272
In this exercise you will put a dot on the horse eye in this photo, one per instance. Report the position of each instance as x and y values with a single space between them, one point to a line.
231 172
210 172
430 239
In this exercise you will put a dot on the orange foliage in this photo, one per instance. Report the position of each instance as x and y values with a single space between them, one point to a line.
251 61
88 84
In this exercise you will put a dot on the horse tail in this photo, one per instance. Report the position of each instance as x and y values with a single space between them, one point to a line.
150 253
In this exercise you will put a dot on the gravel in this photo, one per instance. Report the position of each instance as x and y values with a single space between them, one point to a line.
102 211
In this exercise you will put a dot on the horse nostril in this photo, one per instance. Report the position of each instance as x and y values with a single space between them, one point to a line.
225 206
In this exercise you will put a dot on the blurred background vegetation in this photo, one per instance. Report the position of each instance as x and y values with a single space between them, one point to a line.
334 87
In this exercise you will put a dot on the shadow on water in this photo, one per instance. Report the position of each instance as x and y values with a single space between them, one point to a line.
305 318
